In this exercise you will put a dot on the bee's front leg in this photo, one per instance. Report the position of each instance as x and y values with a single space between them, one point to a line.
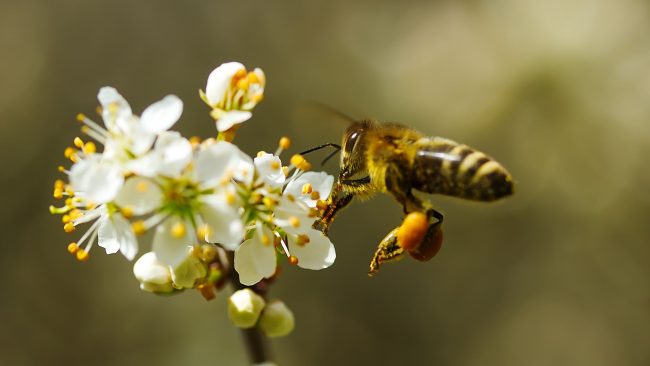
338 199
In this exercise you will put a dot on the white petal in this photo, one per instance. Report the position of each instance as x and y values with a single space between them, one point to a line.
114 107
321 182
151 270
292 216
231 118
319 253
137 139
224 223
170 249
140 195
219 81
220 160
162 115
269 168
147 165
175 153
96 180
255 260
115 234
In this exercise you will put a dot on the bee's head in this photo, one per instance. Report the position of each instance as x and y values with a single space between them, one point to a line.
353 150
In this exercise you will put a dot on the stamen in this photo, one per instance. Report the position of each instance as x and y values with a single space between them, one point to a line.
82 255
293 260
294 221
78 142
307 188
127 212
99 136
89 147
178 230
284 144
275 165
142 186
73 248
265 239
69 152
230 198
321 205
58 194
261 153
268 202
302 240
138 227
314 195
68 227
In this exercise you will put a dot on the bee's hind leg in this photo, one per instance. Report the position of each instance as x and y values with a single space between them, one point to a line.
387 251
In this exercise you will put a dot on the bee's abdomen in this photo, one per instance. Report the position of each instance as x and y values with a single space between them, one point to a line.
446 167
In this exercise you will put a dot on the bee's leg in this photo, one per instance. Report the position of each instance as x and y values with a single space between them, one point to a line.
338 199
387 251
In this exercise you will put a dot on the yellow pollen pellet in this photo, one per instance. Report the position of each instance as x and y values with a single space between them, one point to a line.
127 212
68 152
142 186
82 255
285 143
65 219
293 260
314 195
275 165
58 193
266 240
138 227
78 142
261 153
294 221
306 188
68 227
178 230
81 117
73 248
89 147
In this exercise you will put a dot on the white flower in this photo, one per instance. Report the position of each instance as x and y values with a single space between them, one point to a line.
285 219
244 308
277 320
95 179
232 93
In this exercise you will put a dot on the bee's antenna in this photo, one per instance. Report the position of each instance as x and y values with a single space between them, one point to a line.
337 147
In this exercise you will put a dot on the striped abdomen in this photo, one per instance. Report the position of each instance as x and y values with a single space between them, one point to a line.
446 167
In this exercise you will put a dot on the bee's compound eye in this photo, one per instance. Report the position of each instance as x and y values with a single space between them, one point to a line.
351 141
430 245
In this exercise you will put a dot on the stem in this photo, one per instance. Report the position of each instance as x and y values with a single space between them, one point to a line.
256 345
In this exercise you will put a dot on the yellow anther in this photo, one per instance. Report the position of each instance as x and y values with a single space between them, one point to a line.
82 255
261 153
69 151
68 227
58 193
53 210
275 165
293 260
81 117
59 184
239 74
285 170
314 195
73 248
312 212
99 110
266 240
78 142
65 219
127 212
142 186
69 202
321 205
230 198
89 147
203 231
75 214
195 140
294 221
306 188
299 162
290 197
253 78
257 97
208 252
243 83
268 202
178 230
61 168
302 240
138 227
285 143
90 205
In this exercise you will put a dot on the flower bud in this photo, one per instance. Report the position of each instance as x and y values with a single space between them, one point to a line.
276 320
244 308
154 276
186 274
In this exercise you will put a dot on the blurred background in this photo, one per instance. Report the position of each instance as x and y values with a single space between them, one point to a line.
558 91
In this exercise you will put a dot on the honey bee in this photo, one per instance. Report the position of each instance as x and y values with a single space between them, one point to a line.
395 159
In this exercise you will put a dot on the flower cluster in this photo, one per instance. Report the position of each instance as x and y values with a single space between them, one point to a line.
204 201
